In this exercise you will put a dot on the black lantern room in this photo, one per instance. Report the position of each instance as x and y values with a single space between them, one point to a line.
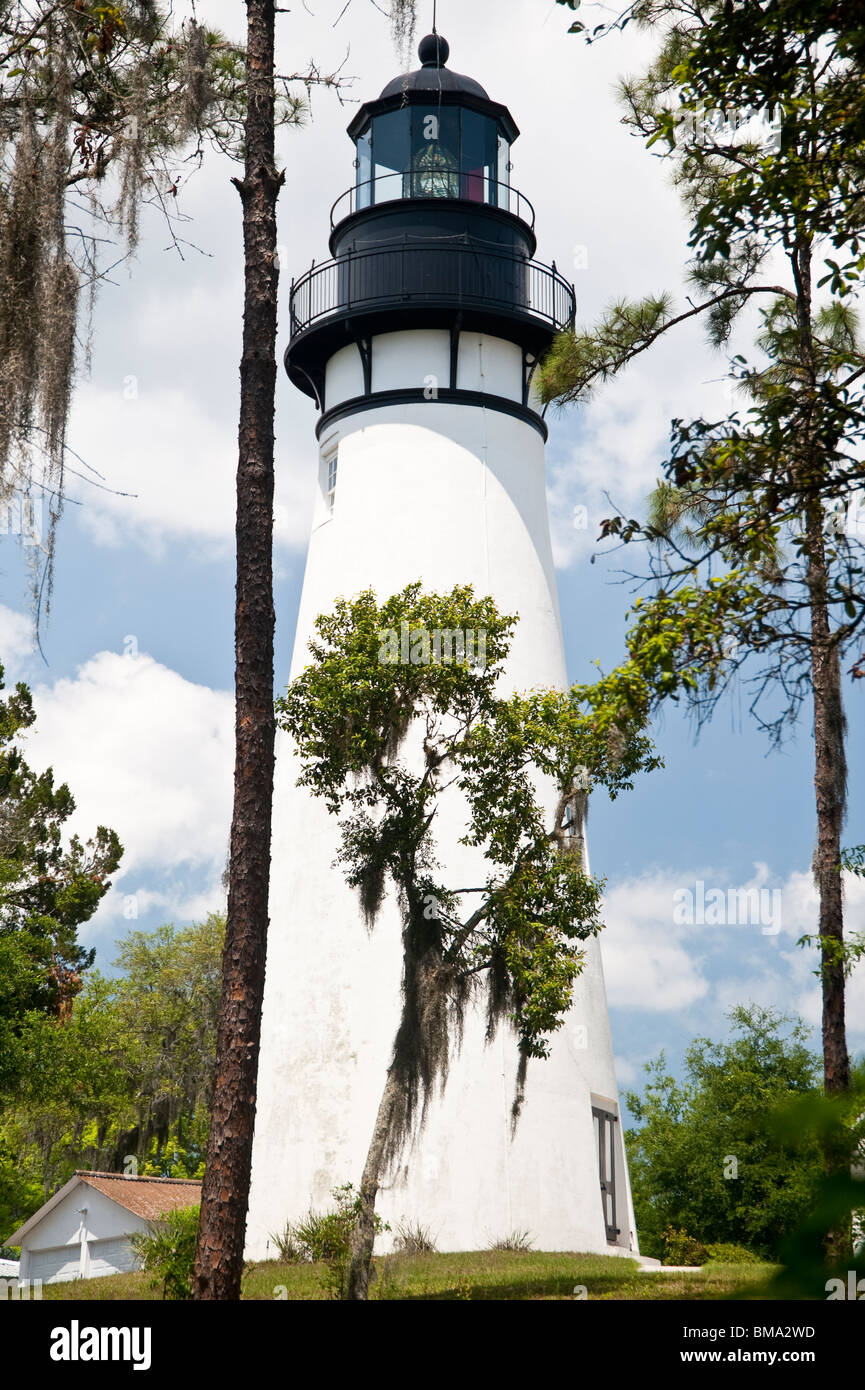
432 234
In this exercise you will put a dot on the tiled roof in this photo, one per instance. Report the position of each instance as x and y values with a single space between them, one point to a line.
146 1197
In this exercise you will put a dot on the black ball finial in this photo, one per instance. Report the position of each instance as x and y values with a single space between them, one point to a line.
433 51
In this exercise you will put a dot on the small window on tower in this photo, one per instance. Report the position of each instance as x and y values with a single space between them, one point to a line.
331 464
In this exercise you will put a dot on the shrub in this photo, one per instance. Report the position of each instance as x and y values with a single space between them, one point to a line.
730 1254
167 1248
517 1241
325 1237
414 1239
288 1246
730 1104
682 1249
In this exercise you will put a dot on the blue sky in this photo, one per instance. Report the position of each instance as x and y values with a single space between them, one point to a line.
145 740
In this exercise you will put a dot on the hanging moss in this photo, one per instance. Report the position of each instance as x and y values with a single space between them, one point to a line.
403 18
95 103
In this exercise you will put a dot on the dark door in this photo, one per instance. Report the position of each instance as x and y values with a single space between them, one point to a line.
605 1142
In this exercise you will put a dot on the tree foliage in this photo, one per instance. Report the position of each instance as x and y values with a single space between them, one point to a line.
756 559
706 1159
124 1084
386 742
49 884
167 1251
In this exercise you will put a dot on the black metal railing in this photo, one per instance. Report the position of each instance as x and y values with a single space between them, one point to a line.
407 272
414 183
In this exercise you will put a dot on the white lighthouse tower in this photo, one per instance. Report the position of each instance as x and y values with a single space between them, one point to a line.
418 340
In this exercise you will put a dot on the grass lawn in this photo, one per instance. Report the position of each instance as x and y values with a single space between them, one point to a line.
471 1275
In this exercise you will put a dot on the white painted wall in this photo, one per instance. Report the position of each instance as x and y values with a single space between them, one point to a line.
490 365
446 494
421 359
344 376
410 358
70 1244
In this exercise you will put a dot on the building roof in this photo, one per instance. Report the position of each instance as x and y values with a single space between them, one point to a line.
147 1198
433 76
433 80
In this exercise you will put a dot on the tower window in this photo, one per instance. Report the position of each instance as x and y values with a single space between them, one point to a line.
330 494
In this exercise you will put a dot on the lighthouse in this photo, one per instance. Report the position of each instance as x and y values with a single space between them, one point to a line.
418 340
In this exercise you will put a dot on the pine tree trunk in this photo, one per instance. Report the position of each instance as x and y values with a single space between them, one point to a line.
225 1191
829 780
830 762
363 1235
830 785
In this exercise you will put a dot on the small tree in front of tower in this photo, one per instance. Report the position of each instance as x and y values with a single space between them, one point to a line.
397 713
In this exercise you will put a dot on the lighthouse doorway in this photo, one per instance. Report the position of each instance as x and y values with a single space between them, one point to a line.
605 1146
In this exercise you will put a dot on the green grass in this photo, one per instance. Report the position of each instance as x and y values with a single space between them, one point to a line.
487 1274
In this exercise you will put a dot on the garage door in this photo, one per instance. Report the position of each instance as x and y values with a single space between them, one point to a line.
53 1266
114 1256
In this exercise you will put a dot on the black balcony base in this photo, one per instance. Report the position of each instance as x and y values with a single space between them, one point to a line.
415 395
308 353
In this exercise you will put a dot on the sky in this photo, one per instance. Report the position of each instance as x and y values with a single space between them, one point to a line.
134 694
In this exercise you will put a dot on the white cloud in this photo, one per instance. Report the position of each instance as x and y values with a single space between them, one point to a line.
17 644
653 965
617 453
125 905
648 964
151 755
624 437
786 980
170 462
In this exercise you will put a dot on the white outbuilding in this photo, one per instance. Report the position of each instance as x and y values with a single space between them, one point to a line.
84 1230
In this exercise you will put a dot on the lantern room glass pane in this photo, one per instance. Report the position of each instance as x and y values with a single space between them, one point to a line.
504 159
503 174
432 151
391 153
364 170
478 157
435 146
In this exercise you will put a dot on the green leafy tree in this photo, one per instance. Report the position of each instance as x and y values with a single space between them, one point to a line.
49 886
753 559
382 741
125 1083
71 1088
706 1159
167 1250
166 1004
